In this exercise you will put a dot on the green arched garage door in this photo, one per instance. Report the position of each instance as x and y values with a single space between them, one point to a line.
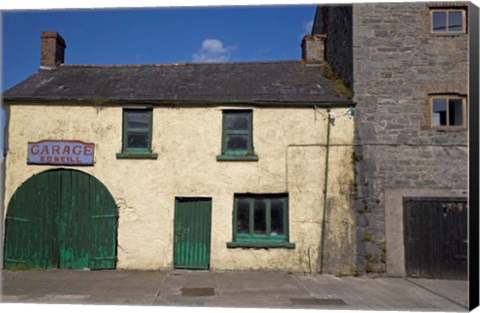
61 219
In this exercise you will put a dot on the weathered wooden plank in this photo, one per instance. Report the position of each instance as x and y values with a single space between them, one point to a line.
192 227
435 230
49 223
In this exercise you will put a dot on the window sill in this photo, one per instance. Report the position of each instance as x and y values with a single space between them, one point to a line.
226 157
449 129
446 34
136 155
261 245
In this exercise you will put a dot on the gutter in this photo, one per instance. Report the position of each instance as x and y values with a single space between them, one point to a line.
188 103
325 189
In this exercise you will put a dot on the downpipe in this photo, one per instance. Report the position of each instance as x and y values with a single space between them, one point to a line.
325 189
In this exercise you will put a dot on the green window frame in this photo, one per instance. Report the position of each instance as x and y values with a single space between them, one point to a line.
260 221
237 136
137 134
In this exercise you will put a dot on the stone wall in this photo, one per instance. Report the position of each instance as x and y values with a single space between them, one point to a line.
338 48
313 49
397 64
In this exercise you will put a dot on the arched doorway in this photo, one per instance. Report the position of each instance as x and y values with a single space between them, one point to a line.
61 219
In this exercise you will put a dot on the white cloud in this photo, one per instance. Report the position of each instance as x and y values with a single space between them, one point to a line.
262 52
308 27
212 50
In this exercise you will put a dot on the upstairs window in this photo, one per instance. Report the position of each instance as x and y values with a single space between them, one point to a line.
237 136
448 21
448 112
137 134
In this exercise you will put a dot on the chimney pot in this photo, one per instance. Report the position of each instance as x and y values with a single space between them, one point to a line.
53 49
313 49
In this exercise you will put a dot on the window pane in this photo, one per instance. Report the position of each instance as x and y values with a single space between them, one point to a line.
455 21
455 112
259 216
439 21
237 121
439 112
137 140
243 216
138 119
237 142
276 211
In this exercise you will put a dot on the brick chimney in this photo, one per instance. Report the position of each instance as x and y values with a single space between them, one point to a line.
53 49
313 49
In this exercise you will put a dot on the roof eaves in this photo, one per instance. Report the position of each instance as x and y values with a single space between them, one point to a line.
188 103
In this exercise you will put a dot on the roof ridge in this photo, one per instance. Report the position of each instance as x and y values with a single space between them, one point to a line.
176 64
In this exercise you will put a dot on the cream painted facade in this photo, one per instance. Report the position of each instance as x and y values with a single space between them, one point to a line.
291 147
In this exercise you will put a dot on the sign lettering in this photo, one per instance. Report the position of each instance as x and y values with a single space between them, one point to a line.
60 152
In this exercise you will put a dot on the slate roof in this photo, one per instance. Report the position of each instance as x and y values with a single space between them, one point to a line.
286 81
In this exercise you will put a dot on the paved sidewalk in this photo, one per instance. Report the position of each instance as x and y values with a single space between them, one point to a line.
233 289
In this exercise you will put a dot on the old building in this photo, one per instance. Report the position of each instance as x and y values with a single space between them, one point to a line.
408 67
198 166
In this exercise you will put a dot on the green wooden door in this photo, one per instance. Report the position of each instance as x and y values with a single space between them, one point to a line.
192 226
61 219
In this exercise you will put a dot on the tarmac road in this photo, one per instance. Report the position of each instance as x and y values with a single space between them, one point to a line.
233 289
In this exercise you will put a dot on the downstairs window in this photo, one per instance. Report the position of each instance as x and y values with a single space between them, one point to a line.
260 221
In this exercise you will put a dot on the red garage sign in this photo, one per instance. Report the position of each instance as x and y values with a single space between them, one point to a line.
60 152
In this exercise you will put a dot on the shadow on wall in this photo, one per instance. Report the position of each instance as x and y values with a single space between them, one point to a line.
3 116
339 250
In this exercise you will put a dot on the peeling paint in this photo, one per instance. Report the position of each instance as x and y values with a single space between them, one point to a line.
289 143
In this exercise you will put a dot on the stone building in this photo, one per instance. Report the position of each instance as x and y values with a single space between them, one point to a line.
407 65
199 166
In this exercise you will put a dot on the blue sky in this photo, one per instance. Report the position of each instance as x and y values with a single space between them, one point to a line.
154 36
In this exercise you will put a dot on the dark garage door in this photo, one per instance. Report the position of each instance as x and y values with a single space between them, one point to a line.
435 237
61 219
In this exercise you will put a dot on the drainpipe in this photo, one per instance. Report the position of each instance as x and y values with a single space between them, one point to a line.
322 247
